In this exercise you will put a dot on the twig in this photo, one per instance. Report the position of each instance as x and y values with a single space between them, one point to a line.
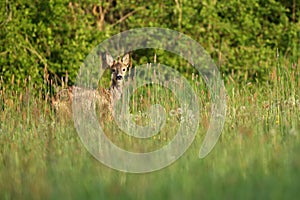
9 17
126 16
32 50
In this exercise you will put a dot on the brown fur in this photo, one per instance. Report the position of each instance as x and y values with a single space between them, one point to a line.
100 99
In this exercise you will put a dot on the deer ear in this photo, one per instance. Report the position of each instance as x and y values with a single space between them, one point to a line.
109 60
126 59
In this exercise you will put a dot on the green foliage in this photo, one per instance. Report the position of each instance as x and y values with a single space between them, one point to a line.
242 36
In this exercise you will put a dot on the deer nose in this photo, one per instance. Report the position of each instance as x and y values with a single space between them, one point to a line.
119 77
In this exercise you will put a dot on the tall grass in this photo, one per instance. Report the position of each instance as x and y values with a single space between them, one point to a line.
257 156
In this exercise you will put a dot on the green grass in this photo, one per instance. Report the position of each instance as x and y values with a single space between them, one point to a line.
256 157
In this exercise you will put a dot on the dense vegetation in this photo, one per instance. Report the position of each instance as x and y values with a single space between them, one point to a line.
241 35
255 44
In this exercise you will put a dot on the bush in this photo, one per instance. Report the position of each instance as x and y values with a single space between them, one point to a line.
242 36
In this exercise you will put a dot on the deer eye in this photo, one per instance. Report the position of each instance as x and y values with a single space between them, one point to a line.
113 70
124 69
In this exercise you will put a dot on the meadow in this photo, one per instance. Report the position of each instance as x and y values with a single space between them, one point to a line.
256 157
254 43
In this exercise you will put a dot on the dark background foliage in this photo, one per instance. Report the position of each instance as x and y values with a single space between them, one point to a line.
242 36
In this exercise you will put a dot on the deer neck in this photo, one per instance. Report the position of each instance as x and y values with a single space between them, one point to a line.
116 90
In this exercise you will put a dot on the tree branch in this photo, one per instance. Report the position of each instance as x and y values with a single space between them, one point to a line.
126 16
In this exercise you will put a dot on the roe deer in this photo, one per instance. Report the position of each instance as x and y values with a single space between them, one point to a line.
118 71
101 97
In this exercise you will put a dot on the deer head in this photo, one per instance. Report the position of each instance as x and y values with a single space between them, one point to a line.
118 69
